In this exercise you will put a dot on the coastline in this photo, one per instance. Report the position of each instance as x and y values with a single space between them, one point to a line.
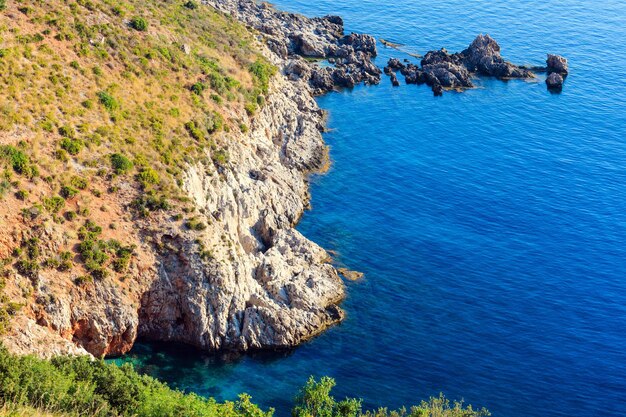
263 285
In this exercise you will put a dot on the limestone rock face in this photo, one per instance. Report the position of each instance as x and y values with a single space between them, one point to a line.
265 285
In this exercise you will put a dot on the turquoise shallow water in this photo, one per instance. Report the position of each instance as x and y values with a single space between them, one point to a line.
491 225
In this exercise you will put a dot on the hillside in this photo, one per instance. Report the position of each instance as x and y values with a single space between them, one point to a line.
147 145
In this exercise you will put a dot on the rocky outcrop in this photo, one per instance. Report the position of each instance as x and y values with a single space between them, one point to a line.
554 81
441 70
557 64
264 285
558 70
292 36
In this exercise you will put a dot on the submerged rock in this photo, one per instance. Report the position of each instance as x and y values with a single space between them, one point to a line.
350 275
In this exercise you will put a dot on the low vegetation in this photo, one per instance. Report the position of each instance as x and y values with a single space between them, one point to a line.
78 386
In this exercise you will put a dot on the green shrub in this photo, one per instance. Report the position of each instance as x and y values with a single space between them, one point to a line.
68 191
195 224
148 203
192 5
215 122
315 400
3 4
21 195
72 146
79 182
198 88
123 256
220 157
67 132
70 215
54 204
107 100
121 164
82 386
147 177
195 131
27 267
18 159
262 70
139 23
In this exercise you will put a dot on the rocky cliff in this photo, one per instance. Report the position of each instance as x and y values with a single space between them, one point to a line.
235 275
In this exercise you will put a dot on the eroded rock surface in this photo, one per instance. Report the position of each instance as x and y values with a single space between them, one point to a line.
264 285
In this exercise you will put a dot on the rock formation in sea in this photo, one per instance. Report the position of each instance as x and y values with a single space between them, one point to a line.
557 69
444 71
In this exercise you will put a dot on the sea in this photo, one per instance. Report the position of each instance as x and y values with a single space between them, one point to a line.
490 224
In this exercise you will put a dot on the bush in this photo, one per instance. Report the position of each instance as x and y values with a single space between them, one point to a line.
195 224
18 159
195 131
147 177
67 132
3 4
262 70
198 88
68 192
147 203
72 146
191 5
121 164
79 182
107 100
27 268
139 23
54 204
82 386
21 195
220 157
315 400
215 122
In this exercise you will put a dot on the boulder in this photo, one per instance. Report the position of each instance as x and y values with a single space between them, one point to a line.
361 42
554 81
297 69
394 79
395 64
558 64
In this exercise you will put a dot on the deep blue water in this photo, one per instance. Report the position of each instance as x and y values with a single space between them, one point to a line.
490 224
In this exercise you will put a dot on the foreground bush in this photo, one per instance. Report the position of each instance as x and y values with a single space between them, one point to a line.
78 385
72 386
314 400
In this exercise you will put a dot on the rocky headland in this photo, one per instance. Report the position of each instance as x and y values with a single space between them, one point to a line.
237 275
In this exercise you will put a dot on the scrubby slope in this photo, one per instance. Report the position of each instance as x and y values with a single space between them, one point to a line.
150 161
